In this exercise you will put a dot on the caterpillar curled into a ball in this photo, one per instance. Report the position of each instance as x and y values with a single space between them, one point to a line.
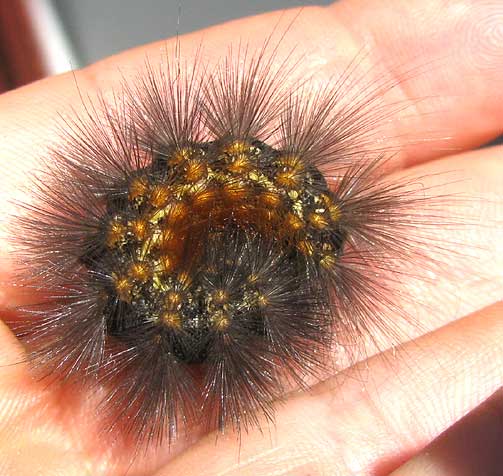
202 241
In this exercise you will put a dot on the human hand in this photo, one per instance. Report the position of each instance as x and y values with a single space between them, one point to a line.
348 427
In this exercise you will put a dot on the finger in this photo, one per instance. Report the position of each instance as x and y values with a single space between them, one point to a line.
470 448
470 109
461 41
473 273
469 235
462 88
46 429
465 236
369 428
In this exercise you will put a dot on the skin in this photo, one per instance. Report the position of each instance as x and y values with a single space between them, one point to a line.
383 415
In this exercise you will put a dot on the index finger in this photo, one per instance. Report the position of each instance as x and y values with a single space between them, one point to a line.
461 98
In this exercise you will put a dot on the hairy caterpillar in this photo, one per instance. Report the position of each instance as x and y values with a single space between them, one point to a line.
210 240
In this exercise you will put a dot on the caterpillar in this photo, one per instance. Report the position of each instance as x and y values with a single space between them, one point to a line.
203 240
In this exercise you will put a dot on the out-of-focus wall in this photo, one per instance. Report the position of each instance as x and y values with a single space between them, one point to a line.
99 28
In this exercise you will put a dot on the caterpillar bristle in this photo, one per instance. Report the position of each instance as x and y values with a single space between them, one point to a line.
204 239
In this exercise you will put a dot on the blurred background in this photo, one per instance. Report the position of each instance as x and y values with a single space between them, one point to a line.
135 22
44 37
